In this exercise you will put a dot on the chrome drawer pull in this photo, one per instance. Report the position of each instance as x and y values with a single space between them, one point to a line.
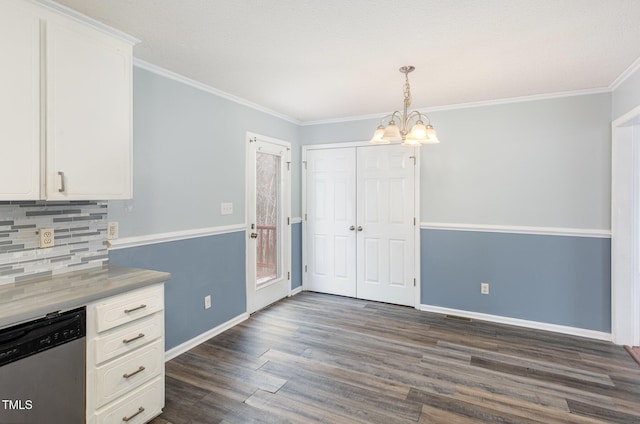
139 336
140 411
140 369
126 311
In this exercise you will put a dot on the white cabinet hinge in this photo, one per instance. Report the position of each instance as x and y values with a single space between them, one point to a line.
305 164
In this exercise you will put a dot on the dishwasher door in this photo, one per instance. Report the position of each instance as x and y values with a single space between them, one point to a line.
48 385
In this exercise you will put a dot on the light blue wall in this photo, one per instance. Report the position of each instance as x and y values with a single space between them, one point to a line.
200 266
189 156
551 279
296 255
537 164
627 95
540 163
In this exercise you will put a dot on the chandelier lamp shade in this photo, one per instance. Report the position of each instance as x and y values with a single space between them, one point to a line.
407 127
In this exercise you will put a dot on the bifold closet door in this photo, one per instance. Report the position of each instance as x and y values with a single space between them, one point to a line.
330 221
360 227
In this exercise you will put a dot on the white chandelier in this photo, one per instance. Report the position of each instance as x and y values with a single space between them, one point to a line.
399 130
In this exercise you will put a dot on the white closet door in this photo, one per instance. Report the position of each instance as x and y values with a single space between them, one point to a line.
331 215
386 232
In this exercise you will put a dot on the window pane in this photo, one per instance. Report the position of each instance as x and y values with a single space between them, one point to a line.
267 216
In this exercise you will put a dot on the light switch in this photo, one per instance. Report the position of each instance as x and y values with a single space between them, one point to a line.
226 208
112 231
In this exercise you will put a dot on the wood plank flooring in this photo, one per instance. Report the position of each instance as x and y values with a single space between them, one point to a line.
329 359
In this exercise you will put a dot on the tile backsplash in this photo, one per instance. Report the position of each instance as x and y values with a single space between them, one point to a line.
80 234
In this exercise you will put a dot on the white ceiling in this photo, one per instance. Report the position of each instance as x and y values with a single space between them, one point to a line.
315 60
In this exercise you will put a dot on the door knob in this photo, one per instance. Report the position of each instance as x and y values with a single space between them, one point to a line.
254 235
359 228
352 228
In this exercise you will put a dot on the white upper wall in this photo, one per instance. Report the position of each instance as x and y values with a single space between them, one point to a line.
626 96
543 163
189 156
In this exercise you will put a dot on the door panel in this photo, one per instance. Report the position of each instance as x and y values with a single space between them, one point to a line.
385 211
330 215
268 213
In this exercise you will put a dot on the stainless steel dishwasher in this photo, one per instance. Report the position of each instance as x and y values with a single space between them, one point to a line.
42 370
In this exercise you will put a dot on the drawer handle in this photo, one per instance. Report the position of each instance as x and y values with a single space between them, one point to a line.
62 188
126 311
139 336
140 411
140 369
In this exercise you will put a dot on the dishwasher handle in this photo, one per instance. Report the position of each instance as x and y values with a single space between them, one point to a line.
11 336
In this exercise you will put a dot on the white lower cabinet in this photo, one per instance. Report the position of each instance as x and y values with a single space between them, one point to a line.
125 357
140 406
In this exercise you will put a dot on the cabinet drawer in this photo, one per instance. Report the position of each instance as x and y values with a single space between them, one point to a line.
124 374
127 307
147 402
127 338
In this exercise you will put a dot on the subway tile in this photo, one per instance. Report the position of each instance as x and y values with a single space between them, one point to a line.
80 238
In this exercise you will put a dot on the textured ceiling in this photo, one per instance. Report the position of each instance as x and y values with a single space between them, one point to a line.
317 60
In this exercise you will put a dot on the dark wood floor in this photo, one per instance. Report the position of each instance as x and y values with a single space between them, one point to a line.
321 358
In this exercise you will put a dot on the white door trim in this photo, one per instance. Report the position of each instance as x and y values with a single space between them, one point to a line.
305 283
625 224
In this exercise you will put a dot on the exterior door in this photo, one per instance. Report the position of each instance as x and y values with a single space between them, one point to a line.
268 218
360 226
331 221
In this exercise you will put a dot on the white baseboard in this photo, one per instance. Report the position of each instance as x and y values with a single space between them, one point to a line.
573 331
190 344
295 291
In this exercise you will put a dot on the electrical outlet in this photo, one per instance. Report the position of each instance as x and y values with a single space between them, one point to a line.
484 288
207 301
46 238
226 208
112 231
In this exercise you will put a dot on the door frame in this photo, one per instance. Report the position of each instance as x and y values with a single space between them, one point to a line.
285 218
416 211
625 228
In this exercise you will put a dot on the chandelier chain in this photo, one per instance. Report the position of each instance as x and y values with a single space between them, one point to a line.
407 90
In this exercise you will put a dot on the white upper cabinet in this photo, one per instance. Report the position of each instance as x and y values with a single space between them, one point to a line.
69 91
19 104
88 114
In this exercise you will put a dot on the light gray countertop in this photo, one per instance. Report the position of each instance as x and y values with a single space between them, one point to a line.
35 298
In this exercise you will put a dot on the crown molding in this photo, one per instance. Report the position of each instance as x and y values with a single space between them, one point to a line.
635 66
57 7
484 103
139 63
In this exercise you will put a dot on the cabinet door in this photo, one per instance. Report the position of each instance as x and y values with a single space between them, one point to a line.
88 114
19 103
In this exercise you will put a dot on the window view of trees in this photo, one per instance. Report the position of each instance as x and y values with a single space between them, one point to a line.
267 212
